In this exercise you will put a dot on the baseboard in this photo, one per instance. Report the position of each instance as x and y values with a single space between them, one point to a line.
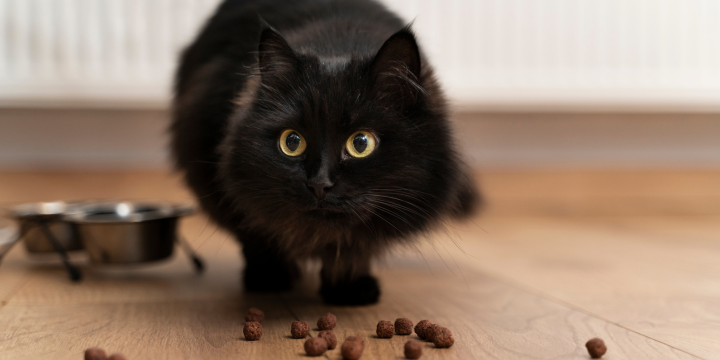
96 139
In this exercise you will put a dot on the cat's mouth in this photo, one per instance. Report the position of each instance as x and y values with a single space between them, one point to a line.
325 211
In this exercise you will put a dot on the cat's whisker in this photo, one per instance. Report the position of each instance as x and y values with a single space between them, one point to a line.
401 189
424 215
441 228
383 219
444 221
363 221
390 212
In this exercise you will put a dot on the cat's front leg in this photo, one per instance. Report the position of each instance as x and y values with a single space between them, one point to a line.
265 268
346 279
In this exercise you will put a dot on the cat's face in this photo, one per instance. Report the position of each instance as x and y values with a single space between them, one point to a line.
340 143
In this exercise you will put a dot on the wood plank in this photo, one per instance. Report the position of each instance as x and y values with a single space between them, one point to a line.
489 320
600 193
510 287
664 284
165 312
152 330
11 281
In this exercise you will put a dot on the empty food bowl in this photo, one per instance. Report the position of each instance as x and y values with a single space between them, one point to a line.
126 232
30 216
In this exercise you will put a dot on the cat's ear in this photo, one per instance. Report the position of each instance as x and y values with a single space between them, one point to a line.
275 57
396 67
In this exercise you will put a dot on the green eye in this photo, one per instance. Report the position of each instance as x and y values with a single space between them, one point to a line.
361 144
292 143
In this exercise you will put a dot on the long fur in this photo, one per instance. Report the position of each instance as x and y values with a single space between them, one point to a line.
325 68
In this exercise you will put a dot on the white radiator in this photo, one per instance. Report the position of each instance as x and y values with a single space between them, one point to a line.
490 54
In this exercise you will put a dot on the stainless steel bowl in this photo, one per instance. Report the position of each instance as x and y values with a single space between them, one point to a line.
51 213
9 233
128 232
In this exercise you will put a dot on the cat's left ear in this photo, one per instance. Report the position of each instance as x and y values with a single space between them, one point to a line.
396 67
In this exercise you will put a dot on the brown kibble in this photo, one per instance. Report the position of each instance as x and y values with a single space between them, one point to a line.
356 338
299 329
413 349
315 346
327 322
403 326
421 329
252 330
596 347
385 329
95 354
255 314
117 357
430 332
443 338
352 349
330 338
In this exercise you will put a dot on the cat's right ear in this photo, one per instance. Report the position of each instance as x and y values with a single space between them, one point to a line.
396 68
275 57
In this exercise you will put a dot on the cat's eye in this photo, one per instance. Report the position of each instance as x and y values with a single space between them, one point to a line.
361 144
292 143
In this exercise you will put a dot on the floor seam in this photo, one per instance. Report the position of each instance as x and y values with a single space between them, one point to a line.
287 307
541 294
15 290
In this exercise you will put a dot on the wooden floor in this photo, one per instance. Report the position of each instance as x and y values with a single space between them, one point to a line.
557 258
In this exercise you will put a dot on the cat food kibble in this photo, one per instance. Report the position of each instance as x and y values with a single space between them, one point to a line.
403 326
421 329
315 346
95 354
596 347
356 338
329 337
252 330
352 349
443 338
413 349
117 357
385 329
430 332
255 314
327 322
299 329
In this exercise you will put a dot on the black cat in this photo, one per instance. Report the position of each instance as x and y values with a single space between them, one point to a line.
315 128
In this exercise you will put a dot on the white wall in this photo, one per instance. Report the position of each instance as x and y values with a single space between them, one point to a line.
556 55
584 55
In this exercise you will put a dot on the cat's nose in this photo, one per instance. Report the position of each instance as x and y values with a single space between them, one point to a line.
320 186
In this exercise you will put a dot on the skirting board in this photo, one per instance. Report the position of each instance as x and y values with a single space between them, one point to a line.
38 139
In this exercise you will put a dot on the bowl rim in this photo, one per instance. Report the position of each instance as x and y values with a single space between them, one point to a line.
163 210
45 209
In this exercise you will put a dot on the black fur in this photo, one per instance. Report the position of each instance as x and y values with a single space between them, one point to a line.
325 68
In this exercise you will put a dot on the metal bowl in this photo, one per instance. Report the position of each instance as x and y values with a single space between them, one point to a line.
9 234
51 213
127 232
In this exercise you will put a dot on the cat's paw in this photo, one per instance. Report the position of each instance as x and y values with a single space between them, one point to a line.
270 278
361 291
